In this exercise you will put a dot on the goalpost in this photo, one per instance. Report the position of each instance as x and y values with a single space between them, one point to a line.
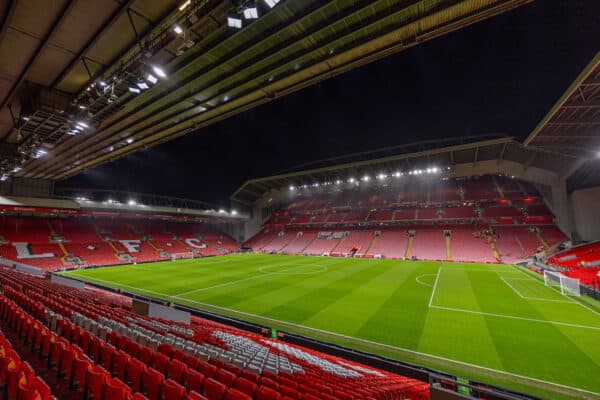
568 286
181 256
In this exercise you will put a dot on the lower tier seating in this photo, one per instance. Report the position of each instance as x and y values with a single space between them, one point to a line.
581 262
101 350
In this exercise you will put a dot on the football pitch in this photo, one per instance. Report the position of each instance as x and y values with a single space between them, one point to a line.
493 323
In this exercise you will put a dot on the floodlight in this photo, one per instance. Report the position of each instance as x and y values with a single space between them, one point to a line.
151 78
82 124
16 169
129 140
3 177
292 188
234 212
250 11
82 107
178 29
221 211
272 3
159 71
337 182
366 178
111 148
131 202
134 90
185 5
351 180
142 85
381 176
234 21
102 83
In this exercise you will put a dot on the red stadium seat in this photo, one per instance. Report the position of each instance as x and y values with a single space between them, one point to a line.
266 393
193 380
152 381
246 386
172 390
234 394
213 390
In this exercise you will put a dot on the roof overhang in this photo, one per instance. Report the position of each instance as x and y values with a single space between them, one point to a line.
572 127
499 151
224 72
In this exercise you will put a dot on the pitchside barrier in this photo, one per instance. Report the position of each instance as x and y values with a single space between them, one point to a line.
452 389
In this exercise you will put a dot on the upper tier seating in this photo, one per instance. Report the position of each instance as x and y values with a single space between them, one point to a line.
96 347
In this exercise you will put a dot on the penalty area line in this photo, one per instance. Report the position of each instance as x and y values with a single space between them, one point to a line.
517 318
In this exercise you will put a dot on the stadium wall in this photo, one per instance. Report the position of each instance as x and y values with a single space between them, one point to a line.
585 204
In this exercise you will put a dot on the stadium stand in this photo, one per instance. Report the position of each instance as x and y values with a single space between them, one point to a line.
488 218
85 343
581 262
54 243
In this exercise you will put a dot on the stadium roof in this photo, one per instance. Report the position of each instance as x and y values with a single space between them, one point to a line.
420 155
572 127
74 61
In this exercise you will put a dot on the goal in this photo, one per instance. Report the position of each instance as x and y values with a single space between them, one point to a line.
181 256
568 286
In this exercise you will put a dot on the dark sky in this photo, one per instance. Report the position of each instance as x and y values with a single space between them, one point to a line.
498 76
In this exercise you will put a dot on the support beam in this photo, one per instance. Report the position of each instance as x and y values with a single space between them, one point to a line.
530 160
11 11
94 39
575 165
63 13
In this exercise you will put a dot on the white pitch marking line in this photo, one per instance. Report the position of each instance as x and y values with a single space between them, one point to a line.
541 299
424 283
512 287
374 343
518 318
437 277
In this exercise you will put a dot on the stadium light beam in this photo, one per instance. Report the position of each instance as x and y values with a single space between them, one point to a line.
185 5
159 71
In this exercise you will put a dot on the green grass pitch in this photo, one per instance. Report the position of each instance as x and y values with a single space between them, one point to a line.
493 323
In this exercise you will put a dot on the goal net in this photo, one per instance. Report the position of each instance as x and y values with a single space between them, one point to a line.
568 286
181 256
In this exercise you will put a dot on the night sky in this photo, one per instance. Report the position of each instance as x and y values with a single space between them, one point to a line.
498 76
